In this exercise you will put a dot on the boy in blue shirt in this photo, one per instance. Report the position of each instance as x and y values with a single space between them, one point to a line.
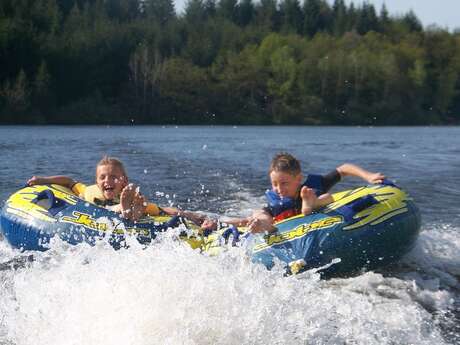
292 195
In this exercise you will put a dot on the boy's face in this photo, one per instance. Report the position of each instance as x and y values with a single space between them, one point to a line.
110 180
286 185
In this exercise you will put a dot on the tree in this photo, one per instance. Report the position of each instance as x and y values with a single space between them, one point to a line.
367 19
210 8
245 12
161 11
412 22
312 9
122 10
195 12
339 12
241 87
184 91
45 16
267 15
228 9
146 71
291 16
41 88
318 17
384 19
17 95
65 6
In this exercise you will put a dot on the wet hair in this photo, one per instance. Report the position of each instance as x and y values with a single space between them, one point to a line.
106 160
286 163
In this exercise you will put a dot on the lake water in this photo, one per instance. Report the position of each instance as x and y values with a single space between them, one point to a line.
169 294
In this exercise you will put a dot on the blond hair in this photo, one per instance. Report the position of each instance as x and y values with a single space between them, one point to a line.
286 163
106 160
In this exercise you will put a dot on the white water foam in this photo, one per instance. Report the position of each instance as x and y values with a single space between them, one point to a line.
437 254
241 202
170 294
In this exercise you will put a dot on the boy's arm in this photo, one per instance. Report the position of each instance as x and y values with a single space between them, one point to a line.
195 217
61 180
236 221
207 222
348 169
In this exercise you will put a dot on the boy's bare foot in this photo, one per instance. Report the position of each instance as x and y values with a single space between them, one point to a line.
126 201
308 200
138 207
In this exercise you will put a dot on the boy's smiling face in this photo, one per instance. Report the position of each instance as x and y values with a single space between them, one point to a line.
286 185
111 180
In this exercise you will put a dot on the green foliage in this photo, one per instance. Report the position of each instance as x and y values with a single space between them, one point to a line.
195 11
267 15
183 92
245 12
223 62
161 11
291 16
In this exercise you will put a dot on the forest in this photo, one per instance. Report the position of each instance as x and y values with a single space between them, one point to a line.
267 62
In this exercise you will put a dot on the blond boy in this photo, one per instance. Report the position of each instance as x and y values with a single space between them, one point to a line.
111 190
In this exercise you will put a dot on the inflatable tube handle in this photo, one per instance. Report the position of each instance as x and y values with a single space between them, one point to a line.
387 182
56 204
349 210
172 223
232 230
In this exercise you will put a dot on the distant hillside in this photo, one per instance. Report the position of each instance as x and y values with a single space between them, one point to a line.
225 62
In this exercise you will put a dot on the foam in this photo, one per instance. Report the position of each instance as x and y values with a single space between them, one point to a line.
170 294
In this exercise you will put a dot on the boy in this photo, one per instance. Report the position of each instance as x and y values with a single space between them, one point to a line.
111 190
290 196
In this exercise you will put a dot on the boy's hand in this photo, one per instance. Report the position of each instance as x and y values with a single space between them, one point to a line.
375 178
209 224
34 180
260 225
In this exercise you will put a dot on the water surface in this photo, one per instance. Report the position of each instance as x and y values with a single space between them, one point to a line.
169 294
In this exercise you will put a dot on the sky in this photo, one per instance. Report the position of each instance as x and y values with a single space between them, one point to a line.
443 13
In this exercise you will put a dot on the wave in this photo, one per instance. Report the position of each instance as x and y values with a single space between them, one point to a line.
170 294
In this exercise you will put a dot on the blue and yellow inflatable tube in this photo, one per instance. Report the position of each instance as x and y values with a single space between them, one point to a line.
35 214
363 229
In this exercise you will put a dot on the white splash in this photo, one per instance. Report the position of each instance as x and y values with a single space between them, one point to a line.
169 294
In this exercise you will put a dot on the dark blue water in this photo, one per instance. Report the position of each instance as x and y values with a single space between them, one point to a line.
208 164
224 170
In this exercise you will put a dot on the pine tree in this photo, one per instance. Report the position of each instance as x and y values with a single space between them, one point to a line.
412 22
245 12
195 12
291 16
312 9
339 12
367 19
17 96
41 88
228 9
384 19
162 11
267 15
